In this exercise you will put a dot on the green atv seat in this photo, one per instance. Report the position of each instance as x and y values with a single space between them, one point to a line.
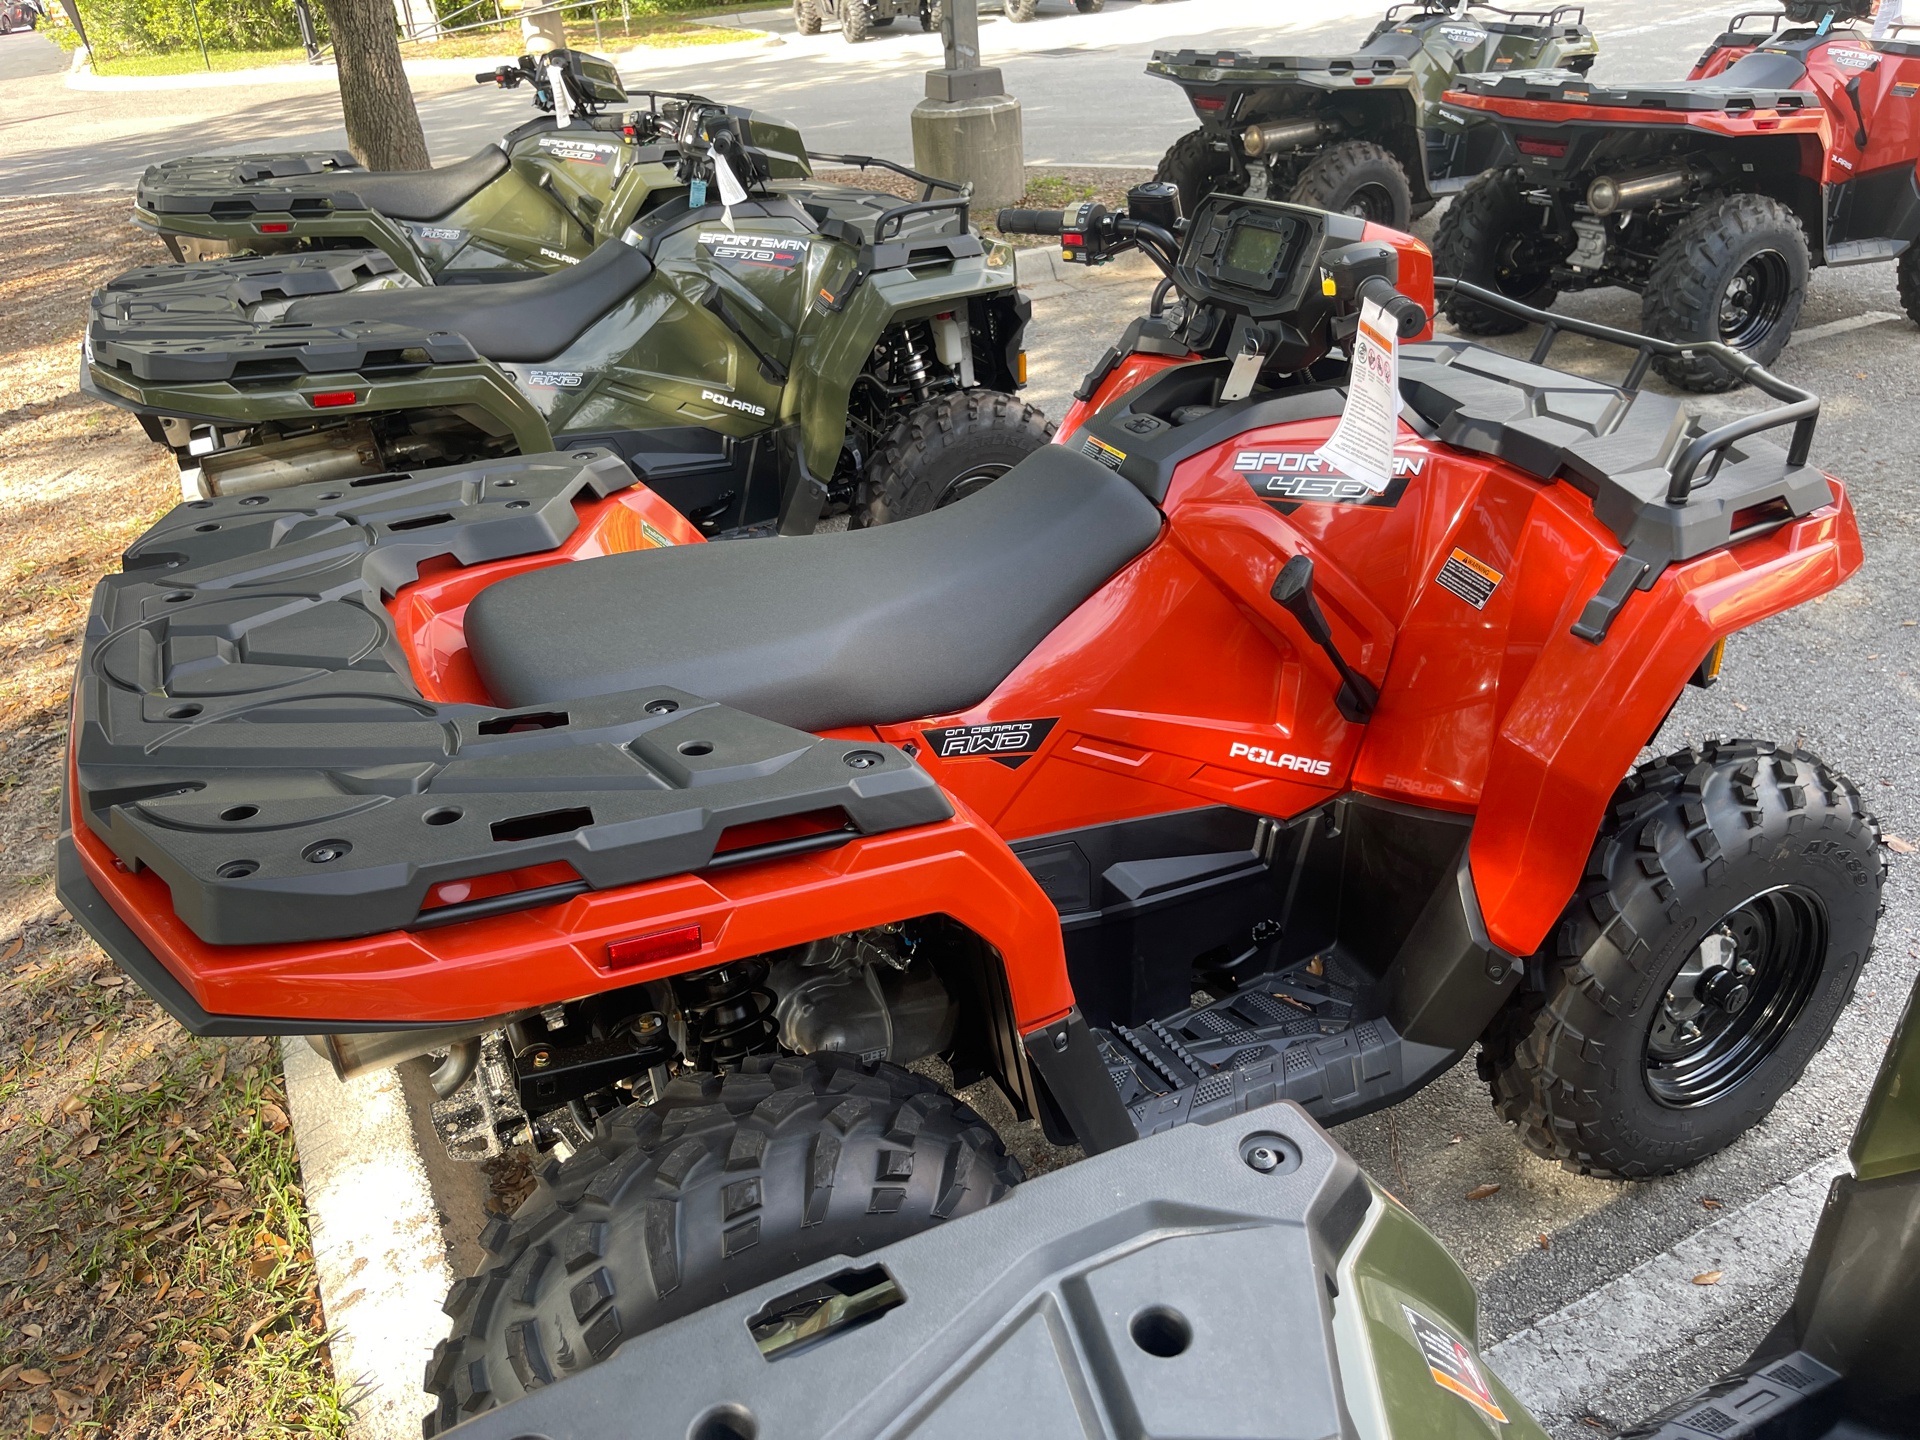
864 627
525 320
420 194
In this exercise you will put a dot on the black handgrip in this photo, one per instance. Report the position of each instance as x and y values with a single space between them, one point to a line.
1032 222
1408 314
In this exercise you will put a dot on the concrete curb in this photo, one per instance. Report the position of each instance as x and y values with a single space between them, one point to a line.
81 76
377 1240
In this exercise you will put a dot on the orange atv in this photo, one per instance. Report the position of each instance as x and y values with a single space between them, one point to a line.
1174 773
1712 197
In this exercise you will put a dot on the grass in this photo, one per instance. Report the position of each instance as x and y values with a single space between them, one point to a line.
155 1273
674 31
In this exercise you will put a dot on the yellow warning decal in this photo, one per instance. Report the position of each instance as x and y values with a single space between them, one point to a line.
1474 581
1103 452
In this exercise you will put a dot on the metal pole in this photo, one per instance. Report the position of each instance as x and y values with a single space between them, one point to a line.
201 36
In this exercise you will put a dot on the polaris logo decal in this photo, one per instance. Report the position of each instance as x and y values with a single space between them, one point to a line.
732 404
557 379
587 152
1011 742
1260 755
765 252
1853 59
1288 478
560 255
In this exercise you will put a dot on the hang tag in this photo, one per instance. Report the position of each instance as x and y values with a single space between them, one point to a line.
562 100
697 195
1361 445
732 192
1246 370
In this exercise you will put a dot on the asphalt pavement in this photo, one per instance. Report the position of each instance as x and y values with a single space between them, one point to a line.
1586 1285
28 52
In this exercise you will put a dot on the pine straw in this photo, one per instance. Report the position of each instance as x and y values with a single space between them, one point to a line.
155 1276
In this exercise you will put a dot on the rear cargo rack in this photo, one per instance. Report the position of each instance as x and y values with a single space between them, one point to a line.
249 728
1801 409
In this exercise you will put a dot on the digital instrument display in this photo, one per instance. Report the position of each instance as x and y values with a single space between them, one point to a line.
1253 249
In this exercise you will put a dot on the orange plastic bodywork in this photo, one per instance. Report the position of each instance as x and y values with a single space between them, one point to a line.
1178 684
1830 152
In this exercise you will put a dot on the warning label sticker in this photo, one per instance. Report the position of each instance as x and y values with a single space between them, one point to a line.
1452 1366
1103 452
1474 581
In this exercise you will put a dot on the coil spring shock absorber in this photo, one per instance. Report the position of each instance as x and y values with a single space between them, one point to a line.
910 358
728 1014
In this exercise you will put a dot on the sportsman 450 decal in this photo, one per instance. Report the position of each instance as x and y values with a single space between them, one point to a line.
1287 478
1011 742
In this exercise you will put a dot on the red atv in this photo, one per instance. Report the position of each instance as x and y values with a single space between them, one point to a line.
1173 774
1711 196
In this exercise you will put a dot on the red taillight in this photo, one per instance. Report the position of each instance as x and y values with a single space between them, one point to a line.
332 399
661 945
1534 145
1209 103
1363 79
273 227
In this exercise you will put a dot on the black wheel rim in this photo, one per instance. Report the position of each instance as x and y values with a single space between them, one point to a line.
1373 203
1754 300
970 482
1736 997
1522 266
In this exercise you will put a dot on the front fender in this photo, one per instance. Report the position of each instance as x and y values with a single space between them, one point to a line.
1584 711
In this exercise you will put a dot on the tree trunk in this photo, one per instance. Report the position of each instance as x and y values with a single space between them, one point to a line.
383 128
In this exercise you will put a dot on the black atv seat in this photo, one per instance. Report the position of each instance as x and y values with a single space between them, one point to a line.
419 194
1762 70
866 627
526 320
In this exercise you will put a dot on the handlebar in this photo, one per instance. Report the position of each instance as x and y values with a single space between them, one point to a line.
1409 314
1032 222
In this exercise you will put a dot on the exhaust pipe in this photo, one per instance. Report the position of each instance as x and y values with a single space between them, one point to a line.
1610 194
352 1055
1270 139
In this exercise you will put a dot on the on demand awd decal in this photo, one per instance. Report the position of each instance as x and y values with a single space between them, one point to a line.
1289 478
1011 742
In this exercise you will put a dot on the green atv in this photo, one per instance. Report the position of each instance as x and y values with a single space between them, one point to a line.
1362 134
799 353
541 199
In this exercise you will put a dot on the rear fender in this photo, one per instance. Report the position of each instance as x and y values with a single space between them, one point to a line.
837 336
1582 712
495 966
362 226
479 391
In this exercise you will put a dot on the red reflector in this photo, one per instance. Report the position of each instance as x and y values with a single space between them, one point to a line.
661 945
1363 79
330 399
1209 102
273 227
1534 145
